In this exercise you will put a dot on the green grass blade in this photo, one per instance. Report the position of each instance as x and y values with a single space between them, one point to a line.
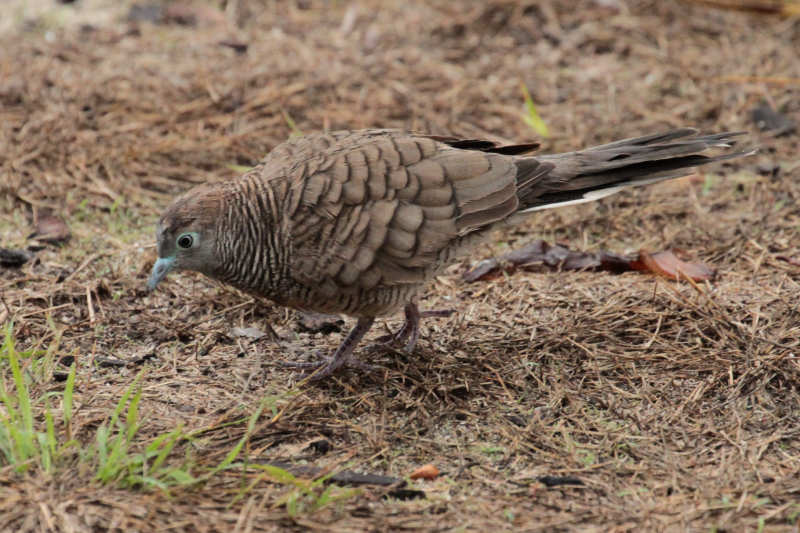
50 448
291 503
101 447
182 477
110 461
234 453
5 443
123 401
22 436
131 420
68 388
295 131
531 117
17 448
172 438
241 169
45 458
277 474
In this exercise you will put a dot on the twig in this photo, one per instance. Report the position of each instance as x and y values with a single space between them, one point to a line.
6 312
89 304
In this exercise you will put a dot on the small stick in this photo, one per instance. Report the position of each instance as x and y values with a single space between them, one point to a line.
6 312
89 304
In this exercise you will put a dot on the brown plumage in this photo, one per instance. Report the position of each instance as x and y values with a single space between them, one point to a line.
357 222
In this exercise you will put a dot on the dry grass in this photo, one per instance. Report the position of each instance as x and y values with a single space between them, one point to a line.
675 406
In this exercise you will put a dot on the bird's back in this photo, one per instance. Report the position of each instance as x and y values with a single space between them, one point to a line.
373 214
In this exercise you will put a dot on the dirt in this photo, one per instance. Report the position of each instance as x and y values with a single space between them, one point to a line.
552 400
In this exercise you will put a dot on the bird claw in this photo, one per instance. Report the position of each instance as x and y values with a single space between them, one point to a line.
343 357
325 366
410 328
387 340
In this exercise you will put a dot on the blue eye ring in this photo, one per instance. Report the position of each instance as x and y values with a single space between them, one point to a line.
186 240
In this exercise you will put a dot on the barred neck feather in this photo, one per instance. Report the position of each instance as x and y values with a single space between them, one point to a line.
251 239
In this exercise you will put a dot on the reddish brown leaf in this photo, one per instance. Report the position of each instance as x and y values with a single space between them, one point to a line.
756 6
427 471
51 229
319 322
791 260
668 265
539 253
486 269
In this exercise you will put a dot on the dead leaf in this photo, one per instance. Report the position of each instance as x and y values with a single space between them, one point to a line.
555 481
344 477
541 253
556 256
191 14
767 119
319 322
770 7
668 265
427 471
250 333
484 270
791 260
237 46
51 229
14 258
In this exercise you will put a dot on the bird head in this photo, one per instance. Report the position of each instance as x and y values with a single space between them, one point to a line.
187 234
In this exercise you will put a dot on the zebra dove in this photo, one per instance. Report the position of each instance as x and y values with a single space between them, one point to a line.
357 222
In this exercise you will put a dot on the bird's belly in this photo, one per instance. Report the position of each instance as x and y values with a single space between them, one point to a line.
378 301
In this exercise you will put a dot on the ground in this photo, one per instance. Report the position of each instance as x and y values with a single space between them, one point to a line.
552 400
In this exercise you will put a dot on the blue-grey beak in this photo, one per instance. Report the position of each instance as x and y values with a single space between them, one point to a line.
160 269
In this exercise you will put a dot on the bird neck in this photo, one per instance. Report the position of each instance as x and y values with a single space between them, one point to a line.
252 239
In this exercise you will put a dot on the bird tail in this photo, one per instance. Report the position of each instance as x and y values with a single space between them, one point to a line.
576 177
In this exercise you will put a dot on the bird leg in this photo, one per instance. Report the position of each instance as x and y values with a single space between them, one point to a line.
343 356
410 328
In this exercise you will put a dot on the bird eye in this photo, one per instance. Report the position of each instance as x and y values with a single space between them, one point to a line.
185 241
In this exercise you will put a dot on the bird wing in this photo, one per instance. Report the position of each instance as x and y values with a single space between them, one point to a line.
382 207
